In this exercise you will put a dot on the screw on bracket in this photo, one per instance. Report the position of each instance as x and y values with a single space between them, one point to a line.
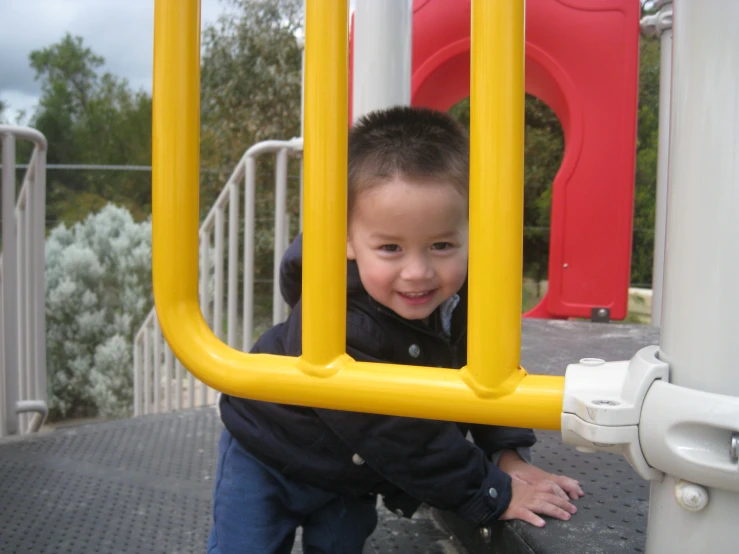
734 449
690 496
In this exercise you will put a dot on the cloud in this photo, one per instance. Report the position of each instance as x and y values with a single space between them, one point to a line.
121 31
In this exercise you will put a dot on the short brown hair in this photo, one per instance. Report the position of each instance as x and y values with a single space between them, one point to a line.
413 143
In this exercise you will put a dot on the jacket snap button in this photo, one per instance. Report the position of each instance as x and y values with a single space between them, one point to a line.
399 512
493 493
414 351
357 459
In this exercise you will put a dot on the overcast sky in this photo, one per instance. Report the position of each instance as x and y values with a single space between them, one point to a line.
121 31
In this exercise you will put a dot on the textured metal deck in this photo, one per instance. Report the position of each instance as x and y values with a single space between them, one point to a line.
612 517
144 485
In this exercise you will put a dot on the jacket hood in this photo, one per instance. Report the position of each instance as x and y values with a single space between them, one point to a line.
291 273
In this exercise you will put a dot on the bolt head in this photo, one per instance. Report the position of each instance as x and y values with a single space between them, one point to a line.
592 362
690 496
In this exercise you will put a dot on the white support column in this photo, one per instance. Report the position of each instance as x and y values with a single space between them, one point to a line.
700 314
660 24
382 55
10 286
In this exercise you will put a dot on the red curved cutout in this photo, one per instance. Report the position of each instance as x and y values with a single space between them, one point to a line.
582 60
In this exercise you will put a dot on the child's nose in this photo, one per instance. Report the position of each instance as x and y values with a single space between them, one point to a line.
418 268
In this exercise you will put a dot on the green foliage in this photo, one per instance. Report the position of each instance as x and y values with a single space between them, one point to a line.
646 163
250 92
90 118
250 79
98 290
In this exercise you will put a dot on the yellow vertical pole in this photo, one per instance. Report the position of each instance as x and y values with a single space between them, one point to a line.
325 167
176 155
496 190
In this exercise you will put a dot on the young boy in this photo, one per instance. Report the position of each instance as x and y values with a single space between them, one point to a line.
281 467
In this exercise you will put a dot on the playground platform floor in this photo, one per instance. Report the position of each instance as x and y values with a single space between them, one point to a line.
144 484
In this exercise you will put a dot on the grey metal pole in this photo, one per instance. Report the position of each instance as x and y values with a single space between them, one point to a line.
700 314
660 24
279 306
39 269
10 287
382 55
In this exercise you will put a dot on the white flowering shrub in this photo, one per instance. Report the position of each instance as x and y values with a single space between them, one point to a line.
98 290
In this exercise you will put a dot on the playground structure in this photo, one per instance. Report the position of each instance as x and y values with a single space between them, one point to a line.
591 215
630 408
609 406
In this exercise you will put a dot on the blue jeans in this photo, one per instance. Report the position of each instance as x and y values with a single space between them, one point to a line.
256 509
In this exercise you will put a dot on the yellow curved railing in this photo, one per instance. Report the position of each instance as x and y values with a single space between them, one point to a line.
492 388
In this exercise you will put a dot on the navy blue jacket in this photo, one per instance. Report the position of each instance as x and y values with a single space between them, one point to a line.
407 460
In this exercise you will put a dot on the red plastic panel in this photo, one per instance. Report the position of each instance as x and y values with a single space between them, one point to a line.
582 60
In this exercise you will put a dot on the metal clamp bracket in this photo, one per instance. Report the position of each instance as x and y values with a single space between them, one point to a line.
630 408
603 402
690 434
657 23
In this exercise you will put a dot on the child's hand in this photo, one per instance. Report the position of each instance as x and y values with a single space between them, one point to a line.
528 500
562 486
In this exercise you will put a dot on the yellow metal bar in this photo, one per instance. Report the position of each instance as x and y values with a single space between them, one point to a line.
432 393
327 377
175 166
496 194
325 167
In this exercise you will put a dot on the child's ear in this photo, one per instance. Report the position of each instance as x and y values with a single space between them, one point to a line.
350 255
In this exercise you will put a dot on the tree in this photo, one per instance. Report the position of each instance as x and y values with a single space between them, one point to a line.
98 290
250 82
91 118
250 92
647 140
251 78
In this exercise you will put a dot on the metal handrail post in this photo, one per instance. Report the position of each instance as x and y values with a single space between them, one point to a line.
10 286
279 308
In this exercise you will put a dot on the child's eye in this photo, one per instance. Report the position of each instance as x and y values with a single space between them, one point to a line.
390 248
441 246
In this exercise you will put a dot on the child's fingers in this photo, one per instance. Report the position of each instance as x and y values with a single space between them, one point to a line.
526 515
563 503
571 486
551 486
553 506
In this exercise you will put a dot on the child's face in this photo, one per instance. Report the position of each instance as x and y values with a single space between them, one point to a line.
410 244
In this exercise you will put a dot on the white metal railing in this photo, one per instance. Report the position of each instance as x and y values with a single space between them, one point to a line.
22 302
161 383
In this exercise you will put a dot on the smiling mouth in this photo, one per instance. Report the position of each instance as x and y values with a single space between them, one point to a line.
416 297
